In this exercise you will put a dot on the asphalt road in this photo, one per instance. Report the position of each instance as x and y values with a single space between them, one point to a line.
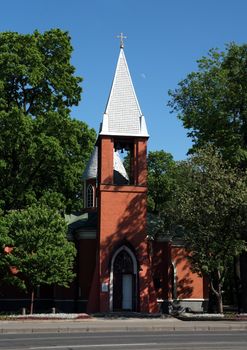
236 340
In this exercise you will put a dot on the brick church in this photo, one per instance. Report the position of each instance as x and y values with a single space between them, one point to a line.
118 267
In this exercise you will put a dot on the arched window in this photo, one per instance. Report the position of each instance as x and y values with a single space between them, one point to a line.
123 263
90 196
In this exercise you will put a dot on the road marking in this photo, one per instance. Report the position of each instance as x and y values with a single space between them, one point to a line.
168 345
124 334
91 346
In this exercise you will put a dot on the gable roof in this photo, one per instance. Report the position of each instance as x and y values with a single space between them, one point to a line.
80 220
123 115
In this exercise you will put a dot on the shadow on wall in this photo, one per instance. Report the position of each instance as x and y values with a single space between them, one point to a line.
131 232
183 277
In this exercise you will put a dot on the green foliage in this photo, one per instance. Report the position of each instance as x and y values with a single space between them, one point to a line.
160 179
41 252
165 222
212 210
212 103
35 72
166 178
41 148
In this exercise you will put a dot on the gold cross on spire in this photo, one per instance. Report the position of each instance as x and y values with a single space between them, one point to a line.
121 37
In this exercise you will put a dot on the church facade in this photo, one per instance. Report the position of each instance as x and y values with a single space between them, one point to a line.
131 271
118 267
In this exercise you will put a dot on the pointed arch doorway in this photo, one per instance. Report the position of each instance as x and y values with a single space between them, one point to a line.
123 281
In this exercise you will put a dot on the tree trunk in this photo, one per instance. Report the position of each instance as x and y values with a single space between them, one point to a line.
32 302
219 302
216 287
243 275
238 284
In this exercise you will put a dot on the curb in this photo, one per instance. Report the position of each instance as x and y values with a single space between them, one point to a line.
171 328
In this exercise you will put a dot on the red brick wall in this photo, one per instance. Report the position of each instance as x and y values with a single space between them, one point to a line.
122 218
161 261
86 262
189 284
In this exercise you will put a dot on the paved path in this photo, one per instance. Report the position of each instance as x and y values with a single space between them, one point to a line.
117 325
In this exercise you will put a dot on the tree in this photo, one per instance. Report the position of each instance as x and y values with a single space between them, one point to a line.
211 208
41 147
165 177
160 179
35 72
212 103
40 253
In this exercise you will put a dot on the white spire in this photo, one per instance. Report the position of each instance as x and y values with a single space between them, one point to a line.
123 115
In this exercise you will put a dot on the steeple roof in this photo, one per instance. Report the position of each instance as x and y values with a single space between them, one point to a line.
123 115
92 166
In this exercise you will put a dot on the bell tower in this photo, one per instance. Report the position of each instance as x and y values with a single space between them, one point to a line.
122 279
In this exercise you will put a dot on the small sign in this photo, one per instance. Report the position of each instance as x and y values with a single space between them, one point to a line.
104 287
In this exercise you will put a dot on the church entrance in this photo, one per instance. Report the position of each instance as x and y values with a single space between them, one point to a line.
127 291
123 284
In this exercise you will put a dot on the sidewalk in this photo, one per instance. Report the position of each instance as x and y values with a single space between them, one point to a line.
117 325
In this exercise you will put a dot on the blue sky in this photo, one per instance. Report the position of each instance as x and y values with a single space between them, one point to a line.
165 38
